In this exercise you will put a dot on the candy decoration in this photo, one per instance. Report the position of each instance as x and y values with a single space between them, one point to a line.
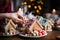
43 32
39 34
13 33
34 34
7 33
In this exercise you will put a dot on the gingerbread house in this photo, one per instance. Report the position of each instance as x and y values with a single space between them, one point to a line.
48 24
10 28
48 27
35 26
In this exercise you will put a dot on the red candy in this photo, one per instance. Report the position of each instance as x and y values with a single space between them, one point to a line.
41 31
13 32
39 34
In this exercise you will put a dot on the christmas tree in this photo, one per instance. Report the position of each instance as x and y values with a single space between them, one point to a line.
35 6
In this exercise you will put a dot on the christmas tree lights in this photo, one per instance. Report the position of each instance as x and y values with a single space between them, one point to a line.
34 5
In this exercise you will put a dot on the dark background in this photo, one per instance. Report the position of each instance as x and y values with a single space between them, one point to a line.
48 4
52 4
55 4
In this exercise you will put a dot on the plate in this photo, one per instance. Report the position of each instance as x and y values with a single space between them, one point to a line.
32 36
9 35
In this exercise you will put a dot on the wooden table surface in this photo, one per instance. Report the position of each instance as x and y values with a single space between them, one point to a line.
51 36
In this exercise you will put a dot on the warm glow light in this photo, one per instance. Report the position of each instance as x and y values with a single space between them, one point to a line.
41 2
54 11
39 7
37 11
20 9
29 6
25 3
35 7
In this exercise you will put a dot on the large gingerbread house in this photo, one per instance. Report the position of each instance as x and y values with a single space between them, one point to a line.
35 25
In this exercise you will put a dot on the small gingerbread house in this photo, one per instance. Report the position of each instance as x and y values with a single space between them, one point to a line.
10 28
48 25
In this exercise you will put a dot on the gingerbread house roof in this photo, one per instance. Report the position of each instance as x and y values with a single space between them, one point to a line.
36 26
9 25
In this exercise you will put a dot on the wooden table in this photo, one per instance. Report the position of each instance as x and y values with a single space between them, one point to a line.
51 36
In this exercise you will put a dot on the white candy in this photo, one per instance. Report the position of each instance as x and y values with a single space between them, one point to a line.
36 32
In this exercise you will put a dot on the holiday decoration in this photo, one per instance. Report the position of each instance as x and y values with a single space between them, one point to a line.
10 28
36 6
33 29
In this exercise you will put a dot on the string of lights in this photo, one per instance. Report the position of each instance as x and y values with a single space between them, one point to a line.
34 5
